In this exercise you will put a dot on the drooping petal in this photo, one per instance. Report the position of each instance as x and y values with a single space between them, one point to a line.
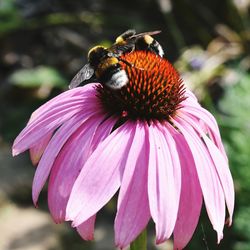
224 175
212 128
84 92
133 209
86 229
54 147
209 181
70 162
52 114
164 181
221 167
36 130
37 150
191 195
101 175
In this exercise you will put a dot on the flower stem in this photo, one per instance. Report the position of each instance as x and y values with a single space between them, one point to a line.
140 243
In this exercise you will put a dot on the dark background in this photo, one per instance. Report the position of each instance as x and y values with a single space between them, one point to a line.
44 43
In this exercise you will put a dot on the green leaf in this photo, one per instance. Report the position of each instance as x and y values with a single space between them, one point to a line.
37 77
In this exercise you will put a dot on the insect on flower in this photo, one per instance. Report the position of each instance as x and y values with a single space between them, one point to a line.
149 138
104 63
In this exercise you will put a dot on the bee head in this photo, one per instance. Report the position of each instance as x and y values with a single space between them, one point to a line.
96 54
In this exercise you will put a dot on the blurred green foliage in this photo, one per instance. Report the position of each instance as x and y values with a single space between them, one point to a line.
9 16
44 43
32 78
234 121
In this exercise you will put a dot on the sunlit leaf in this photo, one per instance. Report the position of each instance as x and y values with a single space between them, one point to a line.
37 77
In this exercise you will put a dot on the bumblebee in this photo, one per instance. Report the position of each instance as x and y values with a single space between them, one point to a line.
142 41
104 63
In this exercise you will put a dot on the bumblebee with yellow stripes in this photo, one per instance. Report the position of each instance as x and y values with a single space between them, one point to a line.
142 41
104 63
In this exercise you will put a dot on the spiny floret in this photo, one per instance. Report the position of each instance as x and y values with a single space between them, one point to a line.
154 90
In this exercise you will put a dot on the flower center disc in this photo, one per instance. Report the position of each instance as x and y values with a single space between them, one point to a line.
154 90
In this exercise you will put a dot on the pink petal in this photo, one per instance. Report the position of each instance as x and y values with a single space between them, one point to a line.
86 229
102 132
70 162
209 181
52 114
44 125
54 147
190 97
100 177
221 166
224 174
191 196
213 130
37 150
164 181
67 166
83 92
133 210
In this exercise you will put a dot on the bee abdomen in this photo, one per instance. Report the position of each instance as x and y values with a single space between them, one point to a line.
114 77
149 43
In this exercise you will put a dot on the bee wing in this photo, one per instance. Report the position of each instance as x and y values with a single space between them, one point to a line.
117 50
85 73
127 34
150 33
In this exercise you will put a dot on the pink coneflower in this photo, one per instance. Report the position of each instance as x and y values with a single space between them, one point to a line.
151 140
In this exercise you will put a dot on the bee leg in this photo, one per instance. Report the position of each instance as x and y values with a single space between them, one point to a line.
127 63
130 64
